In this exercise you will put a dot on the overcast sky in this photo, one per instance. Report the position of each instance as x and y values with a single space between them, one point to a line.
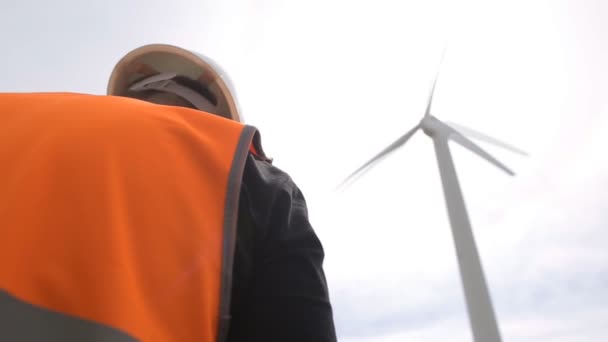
330 83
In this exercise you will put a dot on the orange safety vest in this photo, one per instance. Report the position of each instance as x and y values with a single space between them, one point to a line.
117 219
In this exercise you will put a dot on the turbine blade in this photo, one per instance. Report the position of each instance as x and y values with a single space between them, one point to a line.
430 101
483 137
471 146
369 164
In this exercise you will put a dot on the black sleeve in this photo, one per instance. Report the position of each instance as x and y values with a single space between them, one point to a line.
279 288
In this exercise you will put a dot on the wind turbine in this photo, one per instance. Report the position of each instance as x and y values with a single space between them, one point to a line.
479 305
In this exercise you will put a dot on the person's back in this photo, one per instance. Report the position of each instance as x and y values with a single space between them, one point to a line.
124 218
118 212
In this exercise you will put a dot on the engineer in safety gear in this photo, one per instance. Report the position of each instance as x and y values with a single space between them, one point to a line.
151 214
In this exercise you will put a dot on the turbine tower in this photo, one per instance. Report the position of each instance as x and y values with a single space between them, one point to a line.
479 304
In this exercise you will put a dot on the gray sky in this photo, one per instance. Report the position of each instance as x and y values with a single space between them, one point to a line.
330 83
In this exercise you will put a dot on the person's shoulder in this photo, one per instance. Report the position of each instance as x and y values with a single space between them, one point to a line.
260 172
267 189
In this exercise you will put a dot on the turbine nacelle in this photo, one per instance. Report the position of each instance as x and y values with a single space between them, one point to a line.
431 126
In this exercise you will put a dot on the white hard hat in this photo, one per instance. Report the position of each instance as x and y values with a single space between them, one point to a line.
187 74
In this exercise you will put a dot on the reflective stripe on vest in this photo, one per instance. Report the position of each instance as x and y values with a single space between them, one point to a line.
117 219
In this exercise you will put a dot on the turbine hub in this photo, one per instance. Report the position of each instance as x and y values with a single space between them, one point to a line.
429 125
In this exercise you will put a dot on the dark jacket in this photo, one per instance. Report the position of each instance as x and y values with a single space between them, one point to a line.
279 287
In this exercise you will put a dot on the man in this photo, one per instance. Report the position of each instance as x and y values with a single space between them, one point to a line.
126 220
